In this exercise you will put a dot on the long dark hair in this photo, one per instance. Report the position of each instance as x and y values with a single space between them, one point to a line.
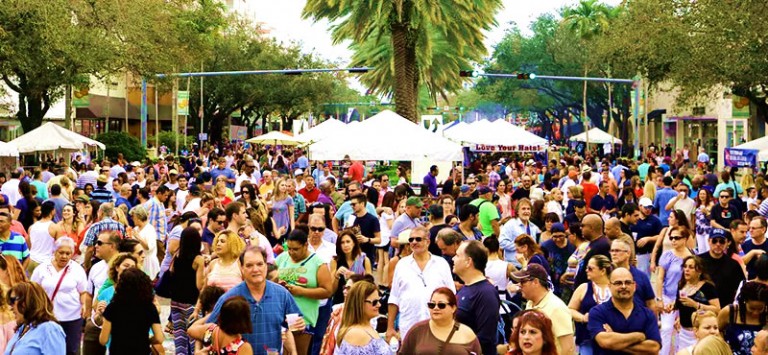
189 245
752 291
682 219
703 276
341 258
133 288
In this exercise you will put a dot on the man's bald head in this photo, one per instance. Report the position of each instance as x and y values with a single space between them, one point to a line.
594 226
613 228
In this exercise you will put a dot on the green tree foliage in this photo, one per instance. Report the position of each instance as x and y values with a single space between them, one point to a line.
401 37
122 142
48 44
694 45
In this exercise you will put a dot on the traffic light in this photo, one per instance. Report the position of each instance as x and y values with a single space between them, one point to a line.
526 76
467 74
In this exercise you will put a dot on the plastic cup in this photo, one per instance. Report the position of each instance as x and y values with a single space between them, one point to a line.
291 318
272 351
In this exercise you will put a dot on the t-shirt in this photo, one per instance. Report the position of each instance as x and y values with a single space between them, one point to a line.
641 320
705 293
644 290
302 274
726 274
558 260
281 213
479 310
208 237
599 246
663 196
748 246
433 248
673 271
488 213
130 326
724 216
649 226
369 226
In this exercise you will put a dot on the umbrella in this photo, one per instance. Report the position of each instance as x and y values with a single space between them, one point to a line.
276 138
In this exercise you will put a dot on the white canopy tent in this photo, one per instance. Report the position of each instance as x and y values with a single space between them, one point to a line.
386 136
500 135
325 129
276 138
597 136
8 150
52 137
760 144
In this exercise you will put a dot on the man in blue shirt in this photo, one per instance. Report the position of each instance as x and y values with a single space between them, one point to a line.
271 304
430 181
645 232
622 325
663 196
223 169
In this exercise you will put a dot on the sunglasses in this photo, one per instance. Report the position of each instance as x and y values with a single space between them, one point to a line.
440 305
317 229
725 196
374 303
100 243
415 240
718 240
676 238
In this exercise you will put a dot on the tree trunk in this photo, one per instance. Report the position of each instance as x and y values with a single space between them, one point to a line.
406 73
216 127
33 105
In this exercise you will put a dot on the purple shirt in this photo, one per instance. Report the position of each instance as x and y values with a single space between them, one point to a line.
430 183
281 213
673 267
323 198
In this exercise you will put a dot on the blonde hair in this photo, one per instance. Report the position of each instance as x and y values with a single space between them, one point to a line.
235 244
712 345
698 317
120 215
747 181
649 190
278 195
577 191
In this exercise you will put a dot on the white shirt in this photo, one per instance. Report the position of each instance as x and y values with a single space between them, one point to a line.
181 199
264 244
151 265
96 277
253 179
326 252
11 189
412 287
386 232
66 305
568 183
42 242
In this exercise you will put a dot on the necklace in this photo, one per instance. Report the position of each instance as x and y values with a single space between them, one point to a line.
600 295
691 288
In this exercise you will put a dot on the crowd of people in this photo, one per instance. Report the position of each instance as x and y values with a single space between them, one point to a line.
234 250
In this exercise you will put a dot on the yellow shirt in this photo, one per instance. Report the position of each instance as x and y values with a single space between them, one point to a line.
557 311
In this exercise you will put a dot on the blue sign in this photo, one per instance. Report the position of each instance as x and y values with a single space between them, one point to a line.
741 158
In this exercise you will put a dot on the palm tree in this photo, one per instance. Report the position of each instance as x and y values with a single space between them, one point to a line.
407 25
587 20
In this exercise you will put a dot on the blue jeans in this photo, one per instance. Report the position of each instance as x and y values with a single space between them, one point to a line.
323 317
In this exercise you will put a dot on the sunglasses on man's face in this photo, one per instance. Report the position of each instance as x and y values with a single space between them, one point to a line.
415 240
316 229
718 241
100 243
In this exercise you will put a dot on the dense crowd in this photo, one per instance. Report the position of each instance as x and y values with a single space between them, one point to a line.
233 250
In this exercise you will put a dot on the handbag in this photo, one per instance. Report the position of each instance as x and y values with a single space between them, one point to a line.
163 284
56 290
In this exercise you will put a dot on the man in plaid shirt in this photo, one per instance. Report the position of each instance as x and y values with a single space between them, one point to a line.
493 175
105 223
156 211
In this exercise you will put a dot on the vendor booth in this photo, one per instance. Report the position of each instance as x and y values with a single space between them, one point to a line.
596 136
498 136
51 137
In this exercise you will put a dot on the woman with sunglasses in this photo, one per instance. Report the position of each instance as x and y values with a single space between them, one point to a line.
740 322
350 260
441 333
696 294
664 244
355 334
37 331
588 295
667 283
329 340
65 283
247 195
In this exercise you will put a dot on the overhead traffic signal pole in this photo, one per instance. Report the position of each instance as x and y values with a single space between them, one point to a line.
223 73
636 83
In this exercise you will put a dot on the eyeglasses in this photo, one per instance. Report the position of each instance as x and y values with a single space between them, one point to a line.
619 251
675 237
718 240
415 240
316 229
100 243
374 303
440 305
625 283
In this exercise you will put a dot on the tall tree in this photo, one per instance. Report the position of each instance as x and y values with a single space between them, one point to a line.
408 24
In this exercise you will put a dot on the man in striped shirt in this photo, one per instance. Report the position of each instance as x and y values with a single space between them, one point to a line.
11 243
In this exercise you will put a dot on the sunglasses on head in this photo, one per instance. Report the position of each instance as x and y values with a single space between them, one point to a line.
440 305
415 239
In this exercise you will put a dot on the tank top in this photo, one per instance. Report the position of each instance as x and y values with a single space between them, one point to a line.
225 276
42 242
587 303
740 337
184 282
496 271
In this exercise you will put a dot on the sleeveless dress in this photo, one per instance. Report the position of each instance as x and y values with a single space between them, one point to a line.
223 276
589 301
377 346
740 337
230 349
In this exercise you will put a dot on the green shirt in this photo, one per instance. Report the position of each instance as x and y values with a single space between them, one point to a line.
302 274
488 212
